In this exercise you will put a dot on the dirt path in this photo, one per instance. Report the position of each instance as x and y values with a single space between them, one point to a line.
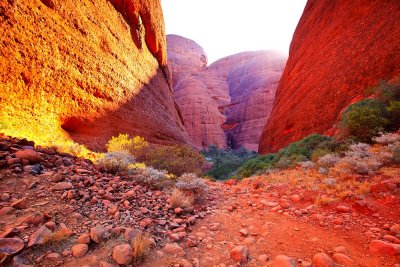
244 216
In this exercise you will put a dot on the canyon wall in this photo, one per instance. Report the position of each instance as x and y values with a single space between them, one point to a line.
339 49
228 102
86 70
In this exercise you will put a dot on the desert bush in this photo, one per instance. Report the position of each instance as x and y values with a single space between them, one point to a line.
114 162
189 182
154 178
176 159
328 160
387 139
289 161
179 199
136 146
306 164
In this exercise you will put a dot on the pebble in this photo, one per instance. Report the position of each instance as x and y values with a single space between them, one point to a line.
239 254
122 254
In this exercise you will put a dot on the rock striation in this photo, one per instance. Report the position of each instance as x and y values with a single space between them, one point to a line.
228 102
86 70
339 49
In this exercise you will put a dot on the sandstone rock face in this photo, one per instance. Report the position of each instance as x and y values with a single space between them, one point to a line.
339 49
228 102
86 70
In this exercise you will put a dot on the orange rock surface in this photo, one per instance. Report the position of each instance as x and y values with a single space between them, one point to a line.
85 70
339 49
228 102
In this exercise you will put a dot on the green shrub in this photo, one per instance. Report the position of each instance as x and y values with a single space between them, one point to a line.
252 166
364 120
394 115
319 152
226 162
385 92
302 148
176 159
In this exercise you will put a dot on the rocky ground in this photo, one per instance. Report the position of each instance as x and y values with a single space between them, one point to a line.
264 226
57 210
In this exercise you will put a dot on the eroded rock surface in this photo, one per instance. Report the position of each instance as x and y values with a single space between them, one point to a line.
339 49
87 70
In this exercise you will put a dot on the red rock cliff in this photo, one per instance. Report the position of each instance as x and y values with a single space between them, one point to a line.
339 49
227 103
85 70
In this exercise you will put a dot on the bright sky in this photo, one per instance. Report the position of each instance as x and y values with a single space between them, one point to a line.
226 27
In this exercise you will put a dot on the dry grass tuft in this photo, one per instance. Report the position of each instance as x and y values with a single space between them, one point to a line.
140 245
58 236
179 199
324 200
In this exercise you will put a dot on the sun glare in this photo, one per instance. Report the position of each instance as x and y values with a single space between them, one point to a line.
226 27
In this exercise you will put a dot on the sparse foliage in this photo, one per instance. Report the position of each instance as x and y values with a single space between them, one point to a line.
189 182
114 162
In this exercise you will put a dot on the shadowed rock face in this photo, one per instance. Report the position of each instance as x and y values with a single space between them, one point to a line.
227 103
339 49
86 70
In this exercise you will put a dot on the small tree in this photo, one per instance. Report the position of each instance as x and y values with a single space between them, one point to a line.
364 120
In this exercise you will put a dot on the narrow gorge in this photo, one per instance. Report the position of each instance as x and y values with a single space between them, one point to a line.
228 102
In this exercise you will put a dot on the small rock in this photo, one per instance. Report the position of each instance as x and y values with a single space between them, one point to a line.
79 250
130 234
5 197
6 210
243 232
53 256
263 258
39 236
20 203
178 211
58 177
215 227
97 233
50 225
83 239
106 264
284 261
323 260
62 186
239 254
31 155
343 208
384 248
395 229
122 254
342 259
340 249
11 246
143 210
174 249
